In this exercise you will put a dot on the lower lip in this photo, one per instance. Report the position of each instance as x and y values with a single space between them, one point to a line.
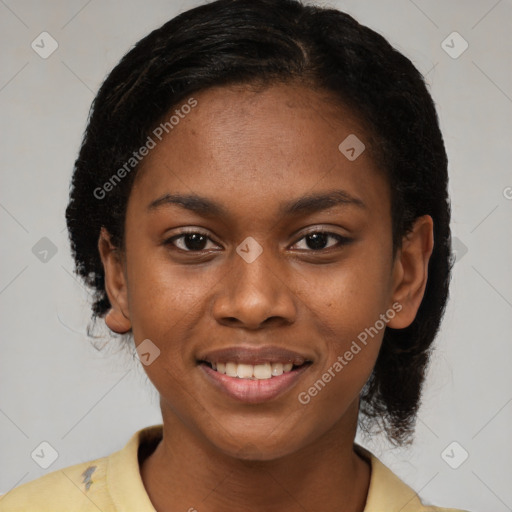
254 391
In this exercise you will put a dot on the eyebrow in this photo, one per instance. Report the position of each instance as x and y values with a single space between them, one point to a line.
304 205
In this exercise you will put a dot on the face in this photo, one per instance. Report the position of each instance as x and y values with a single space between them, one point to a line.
254 244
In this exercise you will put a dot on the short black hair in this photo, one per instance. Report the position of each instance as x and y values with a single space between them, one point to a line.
228 42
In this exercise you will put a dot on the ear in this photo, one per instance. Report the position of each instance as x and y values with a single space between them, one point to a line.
117 319
410 271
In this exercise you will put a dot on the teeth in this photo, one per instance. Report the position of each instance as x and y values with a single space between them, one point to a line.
231 369
277 369
244 371
255 372
262 371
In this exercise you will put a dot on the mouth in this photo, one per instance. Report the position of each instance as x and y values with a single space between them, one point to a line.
254 371
254 375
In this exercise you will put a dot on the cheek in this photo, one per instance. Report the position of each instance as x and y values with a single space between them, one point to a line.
161 294
349 304
351 298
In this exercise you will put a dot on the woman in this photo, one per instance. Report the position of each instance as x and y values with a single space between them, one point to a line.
260 202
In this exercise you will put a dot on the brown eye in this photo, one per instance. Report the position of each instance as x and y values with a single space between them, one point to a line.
190 242
317 240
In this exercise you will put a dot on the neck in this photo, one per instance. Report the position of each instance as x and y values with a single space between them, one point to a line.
186 473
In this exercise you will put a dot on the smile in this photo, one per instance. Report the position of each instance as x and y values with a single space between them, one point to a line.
250 371
253 375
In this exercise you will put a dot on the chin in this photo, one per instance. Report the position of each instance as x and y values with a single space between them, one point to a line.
252 452
258 447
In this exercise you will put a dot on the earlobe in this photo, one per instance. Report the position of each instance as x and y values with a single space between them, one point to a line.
117 319
410 271
117 323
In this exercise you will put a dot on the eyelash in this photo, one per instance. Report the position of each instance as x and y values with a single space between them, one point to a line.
341 240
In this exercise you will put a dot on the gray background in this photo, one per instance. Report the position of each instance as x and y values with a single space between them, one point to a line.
56 387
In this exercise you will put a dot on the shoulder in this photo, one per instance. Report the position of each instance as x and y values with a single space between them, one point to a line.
388 492
64 490
112 483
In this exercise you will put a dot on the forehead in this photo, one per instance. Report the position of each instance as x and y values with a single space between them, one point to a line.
241 145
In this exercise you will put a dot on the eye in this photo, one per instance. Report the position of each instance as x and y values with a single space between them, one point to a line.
191 241
196 241
317 240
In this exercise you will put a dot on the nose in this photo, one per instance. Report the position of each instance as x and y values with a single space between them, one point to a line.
255 293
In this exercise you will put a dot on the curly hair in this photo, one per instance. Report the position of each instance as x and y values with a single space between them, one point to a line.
251 42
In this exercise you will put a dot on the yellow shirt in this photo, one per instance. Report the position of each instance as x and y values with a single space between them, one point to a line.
114 484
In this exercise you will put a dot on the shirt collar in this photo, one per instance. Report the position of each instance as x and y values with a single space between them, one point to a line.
386 490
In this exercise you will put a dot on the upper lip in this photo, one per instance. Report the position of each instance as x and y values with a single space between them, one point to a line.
253 355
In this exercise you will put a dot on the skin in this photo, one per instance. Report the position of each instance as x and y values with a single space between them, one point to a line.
250 151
